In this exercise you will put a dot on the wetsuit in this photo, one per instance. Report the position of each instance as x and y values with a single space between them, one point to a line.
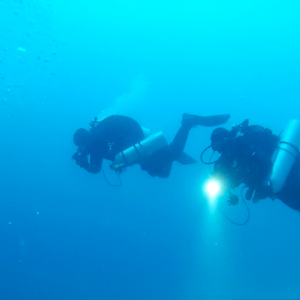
247 160
108 138
160 163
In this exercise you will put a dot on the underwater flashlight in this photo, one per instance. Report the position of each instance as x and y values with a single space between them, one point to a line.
212 188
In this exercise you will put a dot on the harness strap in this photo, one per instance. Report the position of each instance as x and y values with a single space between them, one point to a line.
297 150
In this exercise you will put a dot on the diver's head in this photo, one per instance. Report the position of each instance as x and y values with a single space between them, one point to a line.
219 139
81 137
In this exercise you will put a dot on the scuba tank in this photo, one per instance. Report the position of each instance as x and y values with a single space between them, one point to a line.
289 146
135 153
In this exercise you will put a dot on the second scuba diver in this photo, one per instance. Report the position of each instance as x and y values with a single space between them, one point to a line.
115 134
254 156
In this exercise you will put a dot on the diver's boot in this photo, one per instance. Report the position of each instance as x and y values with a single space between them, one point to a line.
193 120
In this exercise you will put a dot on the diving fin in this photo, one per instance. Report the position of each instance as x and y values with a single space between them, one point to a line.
193 120
185 159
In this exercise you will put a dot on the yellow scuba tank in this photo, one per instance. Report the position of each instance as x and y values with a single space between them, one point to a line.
135 153
289 146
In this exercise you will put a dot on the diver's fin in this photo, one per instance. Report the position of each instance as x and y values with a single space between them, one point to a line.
193 120
185 159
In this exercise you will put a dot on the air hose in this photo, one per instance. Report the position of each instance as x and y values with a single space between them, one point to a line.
115 185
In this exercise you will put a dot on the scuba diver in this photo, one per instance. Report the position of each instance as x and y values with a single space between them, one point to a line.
269 165
105 140
122 141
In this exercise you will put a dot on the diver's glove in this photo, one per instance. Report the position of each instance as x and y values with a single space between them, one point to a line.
233 199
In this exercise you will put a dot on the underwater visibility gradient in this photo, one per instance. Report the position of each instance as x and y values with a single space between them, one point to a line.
68 234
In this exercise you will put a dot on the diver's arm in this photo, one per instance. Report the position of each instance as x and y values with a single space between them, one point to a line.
221 175
224 173
95 164
232 199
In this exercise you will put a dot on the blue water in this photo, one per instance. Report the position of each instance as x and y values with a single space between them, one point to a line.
67 234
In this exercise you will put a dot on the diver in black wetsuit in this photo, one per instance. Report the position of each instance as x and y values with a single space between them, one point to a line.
116 133
105 140
246 158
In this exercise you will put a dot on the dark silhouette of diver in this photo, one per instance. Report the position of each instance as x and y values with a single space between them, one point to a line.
116 133
247 154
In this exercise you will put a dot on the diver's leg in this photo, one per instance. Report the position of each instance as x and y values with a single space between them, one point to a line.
165 170
177 146
158 164
189 121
